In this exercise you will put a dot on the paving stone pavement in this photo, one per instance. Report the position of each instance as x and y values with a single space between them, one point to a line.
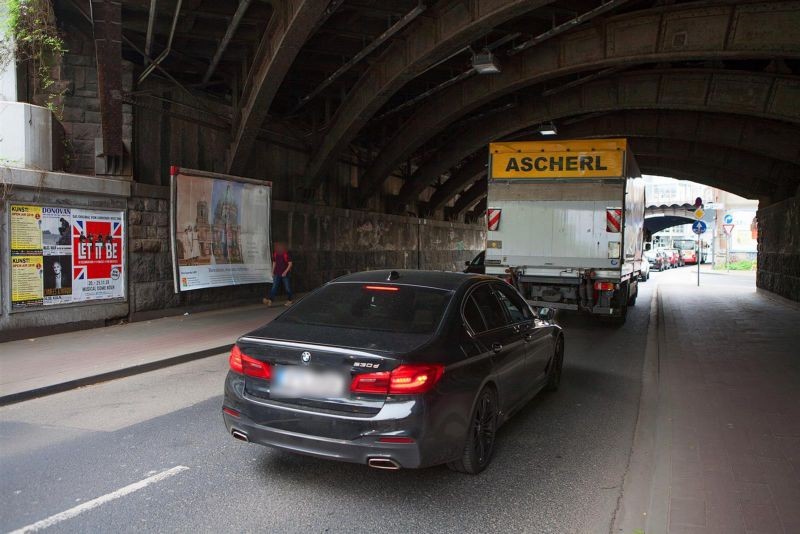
729 373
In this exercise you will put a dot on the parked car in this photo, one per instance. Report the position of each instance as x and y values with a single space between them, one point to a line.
689 256
657 260
676 257
476 266
668 262
644 270
393 369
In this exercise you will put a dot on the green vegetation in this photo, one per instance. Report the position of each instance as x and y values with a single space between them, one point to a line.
744 265
34 40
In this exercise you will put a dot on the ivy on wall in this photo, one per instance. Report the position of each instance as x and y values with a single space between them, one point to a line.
35 42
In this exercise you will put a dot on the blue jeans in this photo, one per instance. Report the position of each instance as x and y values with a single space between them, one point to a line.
276 283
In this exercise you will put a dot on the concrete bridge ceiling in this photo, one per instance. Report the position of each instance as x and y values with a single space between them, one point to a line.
657 224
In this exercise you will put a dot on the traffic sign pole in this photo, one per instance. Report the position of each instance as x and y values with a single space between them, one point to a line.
699 257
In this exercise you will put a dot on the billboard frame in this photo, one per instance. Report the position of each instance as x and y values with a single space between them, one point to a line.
174 171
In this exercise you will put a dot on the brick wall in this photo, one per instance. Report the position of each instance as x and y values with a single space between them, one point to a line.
779 248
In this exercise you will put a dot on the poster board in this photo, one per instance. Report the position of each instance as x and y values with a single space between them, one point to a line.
220 230
64 255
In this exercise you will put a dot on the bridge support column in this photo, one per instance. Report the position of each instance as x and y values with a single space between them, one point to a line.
779 247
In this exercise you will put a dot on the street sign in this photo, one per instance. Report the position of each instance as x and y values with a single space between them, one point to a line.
728 228
728 219
698 213
698 202
699 227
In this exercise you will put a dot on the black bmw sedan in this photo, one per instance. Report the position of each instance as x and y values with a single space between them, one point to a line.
393 369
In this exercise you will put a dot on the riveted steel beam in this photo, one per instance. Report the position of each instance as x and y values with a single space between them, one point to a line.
447 27
469 197
106 17
459 180
735 93
289 27
774 139
678 33
721 176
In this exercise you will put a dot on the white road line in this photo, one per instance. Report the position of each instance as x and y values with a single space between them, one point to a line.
94 503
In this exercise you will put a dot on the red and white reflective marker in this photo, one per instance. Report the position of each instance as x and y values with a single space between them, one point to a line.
494 218
613 220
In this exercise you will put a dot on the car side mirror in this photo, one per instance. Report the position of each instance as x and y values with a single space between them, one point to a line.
546 314
467 263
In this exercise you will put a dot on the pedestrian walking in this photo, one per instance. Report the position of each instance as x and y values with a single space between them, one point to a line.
281 268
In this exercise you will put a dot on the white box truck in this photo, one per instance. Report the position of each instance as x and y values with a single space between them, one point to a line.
565 221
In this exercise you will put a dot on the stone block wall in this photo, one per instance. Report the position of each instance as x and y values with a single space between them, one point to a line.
80 112
325 243
150 277
779 248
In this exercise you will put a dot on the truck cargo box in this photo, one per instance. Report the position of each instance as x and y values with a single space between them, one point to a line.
564 214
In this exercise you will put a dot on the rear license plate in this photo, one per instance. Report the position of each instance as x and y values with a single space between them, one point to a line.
291 382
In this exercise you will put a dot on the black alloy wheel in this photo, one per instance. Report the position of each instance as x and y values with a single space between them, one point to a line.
479 446
556 367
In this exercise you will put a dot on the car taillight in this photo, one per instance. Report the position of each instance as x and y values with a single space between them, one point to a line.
395 439
604 286
411 379
245 365
370 383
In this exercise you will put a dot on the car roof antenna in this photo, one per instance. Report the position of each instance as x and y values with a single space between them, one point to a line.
393 275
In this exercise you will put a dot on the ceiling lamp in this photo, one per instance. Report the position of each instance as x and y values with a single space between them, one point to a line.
547 128
484 62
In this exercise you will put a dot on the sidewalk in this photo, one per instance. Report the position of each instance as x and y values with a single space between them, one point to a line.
726 454
33 367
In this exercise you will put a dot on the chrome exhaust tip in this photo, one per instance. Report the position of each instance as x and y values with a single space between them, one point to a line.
383 463
241 436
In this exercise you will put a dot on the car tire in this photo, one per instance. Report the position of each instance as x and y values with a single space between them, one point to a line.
556 367
479 445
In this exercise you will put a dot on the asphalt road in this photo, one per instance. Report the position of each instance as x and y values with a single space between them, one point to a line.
558 467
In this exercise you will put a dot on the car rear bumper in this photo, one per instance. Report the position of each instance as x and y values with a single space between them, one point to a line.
358 451
339 436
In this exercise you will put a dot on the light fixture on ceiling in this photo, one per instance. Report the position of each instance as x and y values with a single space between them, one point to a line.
484 62
547 128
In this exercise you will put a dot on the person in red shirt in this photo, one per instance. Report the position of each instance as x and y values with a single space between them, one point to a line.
281 267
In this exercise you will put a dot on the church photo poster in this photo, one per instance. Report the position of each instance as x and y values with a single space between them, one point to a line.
221 232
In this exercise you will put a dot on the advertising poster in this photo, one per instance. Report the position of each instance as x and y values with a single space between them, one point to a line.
221 232
65 255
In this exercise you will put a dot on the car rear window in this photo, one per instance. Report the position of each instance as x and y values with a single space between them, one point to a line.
390 308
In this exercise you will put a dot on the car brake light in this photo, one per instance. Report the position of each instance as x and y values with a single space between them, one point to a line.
245 365
382 288
411 379
371 383
235 360
604 286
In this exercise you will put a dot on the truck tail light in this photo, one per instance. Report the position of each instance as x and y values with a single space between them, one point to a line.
410 379
246 365
604 286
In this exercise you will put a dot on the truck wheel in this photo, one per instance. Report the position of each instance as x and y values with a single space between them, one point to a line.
632 296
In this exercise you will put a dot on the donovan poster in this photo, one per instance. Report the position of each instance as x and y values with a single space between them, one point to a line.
65 255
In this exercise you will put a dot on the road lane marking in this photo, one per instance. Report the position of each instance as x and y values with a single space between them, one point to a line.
94 503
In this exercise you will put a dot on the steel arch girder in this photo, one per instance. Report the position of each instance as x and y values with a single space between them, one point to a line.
288 29
429 39
649 36
723 177
692 90
773 139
